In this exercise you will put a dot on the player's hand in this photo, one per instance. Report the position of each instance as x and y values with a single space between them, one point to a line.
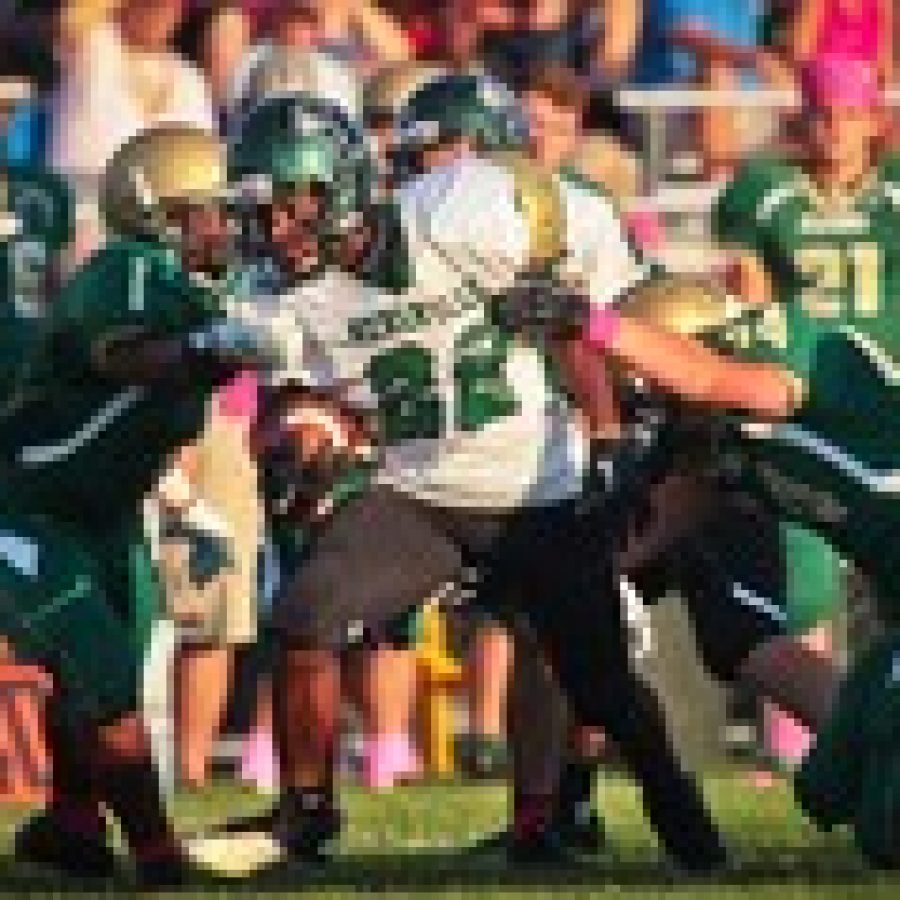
542 309
234 339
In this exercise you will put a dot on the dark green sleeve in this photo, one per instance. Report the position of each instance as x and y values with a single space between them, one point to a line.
129 289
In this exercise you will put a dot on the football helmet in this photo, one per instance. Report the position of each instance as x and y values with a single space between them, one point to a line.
284 71
683 305
296 140
462 105
158 170
387 93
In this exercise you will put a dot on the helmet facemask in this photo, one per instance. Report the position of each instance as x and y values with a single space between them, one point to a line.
304 228
204 234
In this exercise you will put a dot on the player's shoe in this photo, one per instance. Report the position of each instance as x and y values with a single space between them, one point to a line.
581 830
566 837
43 841
287 836
876 824
542 849
168 871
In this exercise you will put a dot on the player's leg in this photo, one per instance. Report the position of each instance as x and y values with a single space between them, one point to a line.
369 564
73 818
560 565
725 553
550 764
58 617
546 763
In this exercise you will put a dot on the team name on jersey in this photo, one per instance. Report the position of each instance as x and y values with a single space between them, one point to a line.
812 225
409 317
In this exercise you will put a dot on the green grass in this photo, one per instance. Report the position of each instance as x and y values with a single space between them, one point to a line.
413 842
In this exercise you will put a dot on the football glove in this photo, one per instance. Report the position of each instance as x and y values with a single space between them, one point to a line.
541 308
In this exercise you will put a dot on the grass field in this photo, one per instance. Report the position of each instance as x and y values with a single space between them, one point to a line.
416 843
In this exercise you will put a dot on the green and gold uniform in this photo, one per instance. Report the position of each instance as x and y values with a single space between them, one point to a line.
832 259
78 452
834 466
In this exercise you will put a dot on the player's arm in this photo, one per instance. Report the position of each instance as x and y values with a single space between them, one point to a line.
156 325
645 334
686 367
590 383
140 358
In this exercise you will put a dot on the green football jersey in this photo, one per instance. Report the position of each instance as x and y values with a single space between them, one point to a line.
73 440
835 323
833 259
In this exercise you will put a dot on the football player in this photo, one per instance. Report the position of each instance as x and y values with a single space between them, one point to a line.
128 354
811 403
481 462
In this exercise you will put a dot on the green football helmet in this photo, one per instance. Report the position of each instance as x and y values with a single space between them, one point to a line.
469 105
295 140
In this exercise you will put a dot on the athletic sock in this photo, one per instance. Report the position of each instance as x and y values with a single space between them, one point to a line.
76 815
532 817
300 805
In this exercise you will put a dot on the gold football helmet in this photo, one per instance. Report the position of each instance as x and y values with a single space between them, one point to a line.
683 305
158 169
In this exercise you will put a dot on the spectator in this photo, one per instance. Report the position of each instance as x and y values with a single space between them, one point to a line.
324 50
592 37
712 44
357 31
220 473
26 48
117 78
855 29
215 36
555 103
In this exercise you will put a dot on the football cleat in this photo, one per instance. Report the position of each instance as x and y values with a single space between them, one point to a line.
244 847
43 841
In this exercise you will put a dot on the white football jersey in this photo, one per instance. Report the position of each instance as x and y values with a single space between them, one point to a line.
470 417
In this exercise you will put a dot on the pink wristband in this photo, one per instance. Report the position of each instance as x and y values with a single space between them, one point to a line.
602 327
